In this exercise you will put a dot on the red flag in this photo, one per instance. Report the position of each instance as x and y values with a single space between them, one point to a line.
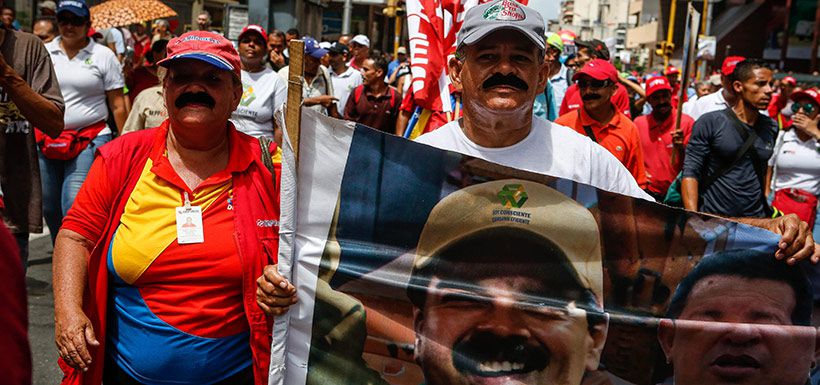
433 25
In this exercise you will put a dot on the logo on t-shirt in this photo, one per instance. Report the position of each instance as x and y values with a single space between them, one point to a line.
247 96
11 120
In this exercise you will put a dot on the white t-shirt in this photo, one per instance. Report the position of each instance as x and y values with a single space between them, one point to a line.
796 163
343 85
263 93
707 103
549 149
84 81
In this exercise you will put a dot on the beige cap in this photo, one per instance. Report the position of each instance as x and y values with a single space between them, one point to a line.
517 204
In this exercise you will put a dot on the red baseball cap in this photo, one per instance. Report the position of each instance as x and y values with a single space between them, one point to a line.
598 69
657 83
810 93
209 47
729 64
671 70
789 79
254 28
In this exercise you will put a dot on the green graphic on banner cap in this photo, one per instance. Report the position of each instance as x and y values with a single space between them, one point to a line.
507 10
512 196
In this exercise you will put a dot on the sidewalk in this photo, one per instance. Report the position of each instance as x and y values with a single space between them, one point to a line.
41 312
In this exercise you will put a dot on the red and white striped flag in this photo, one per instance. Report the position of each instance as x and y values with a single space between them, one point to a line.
433 25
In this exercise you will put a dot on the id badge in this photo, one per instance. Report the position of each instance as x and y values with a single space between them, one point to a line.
189 225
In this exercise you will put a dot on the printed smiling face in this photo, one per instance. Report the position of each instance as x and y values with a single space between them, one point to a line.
482 324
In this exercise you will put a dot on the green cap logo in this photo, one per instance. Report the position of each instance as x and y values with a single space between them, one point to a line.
507 10
512 196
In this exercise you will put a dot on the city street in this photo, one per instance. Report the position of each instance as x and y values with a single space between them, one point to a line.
41 312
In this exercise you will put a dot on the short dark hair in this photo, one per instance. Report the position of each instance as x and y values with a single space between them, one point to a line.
51 21
293 31
277 33
13 12
745 69
379 62
750 264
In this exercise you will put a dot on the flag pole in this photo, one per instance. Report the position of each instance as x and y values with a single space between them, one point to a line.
293 114
690 41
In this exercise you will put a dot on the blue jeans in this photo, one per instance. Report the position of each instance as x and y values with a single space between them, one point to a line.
62 180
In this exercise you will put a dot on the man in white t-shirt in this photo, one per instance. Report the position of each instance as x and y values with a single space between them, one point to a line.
497 54
344 78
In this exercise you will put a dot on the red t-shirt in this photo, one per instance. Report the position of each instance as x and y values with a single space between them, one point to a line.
141 79
572 100
619 137
778 103
656 142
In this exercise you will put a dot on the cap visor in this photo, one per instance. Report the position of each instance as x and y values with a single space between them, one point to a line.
74 11
318 53
596 76
211 59
482 32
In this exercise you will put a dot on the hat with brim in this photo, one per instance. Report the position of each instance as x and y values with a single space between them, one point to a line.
313 49
338 48
810 93
499 15
598 48
253 28
75 7
598 69
205 46
657 83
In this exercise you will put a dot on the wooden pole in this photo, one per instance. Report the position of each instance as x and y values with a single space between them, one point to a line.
293 114
784 45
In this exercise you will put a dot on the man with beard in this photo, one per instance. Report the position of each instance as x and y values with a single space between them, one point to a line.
726 157
601 120
534 319
663 147
493 69
741 317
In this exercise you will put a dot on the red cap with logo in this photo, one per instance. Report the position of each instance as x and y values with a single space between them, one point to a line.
254 28
729 64
810 93
598 69
657 83
209 47
790 80
671 70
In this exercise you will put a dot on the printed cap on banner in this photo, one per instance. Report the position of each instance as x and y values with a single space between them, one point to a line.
524 206
598 69
810 93
658 83
729 64
209 47
484 19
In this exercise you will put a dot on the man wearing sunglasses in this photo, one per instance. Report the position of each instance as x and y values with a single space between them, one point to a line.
601 121
589 50
29 97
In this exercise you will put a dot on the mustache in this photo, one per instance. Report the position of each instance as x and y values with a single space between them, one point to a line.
488 354
590 97
195 97
507 80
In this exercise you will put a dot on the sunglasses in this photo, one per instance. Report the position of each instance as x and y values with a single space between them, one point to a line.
75 21
592 83
807 107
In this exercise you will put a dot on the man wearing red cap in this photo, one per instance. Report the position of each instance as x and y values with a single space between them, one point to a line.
780 107
601 121
163 267
672 74
663 147
587 51
719 99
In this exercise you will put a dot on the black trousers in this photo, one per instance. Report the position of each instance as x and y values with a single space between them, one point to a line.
115 376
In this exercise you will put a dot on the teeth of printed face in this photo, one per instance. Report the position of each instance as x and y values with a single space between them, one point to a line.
497 366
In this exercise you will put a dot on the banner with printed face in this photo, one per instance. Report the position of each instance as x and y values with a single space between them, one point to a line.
415 265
